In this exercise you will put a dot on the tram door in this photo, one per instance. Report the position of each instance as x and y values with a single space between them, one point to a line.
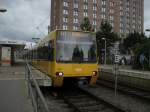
6 56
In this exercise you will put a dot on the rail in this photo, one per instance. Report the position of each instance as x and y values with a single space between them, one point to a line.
34 91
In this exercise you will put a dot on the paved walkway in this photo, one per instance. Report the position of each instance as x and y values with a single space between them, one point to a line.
13 90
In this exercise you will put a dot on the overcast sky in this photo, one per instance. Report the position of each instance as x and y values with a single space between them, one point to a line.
26 19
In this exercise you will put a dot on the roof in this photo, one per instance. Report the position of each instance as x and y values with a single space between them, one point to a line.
14 44
9 42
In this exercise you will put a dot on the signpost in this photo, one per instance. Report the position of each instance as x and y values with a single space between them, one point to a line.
116 65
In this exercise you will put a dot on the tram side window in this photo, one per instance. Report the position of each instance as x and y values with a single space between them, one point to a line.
51 50
46 52
92 53
43 53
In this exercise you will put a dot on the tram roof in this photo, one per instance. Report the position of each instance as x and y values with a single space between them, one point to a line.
46 38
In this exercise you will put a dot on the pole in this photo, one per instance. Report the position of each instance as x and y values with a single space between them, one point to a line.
116 78
105 51
149 57
116 67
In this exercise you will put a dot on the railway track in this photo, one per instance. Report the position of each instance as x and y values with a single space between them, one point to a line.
77 100
55 103
83 101
135 92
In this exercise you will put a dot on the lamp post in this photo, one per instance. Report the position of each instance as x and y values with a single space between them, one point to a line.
148 30
3 10
105 50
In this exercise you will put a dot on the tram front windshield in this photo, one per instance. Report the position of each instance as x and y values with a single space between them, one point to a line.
75 47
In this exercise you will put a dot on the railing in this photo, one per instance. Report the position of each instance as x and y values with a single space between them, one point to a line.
38 100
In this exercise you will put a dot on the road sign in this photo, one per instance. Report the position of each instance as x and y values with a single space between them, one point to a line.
117 58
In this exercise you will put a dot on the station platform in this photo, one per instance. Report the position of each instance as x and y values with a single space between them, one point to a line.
14 93
126 70
127 76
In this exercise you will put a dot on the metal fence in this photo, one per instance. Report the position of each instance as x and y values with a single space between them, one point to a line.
34 92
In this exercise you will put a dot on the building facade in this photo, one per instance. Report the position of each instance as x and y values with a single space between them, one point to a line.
125 16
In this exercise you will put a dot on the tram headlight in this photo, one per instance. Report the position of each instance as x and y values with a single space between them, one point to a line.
60 74
94 73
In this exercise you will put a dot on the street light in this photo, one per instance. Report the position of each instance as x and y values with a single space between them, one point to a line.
3 10
147 30
105 50
36 39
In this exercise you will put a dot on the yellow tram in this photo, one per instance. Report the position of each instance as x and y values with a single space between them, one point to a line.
68 55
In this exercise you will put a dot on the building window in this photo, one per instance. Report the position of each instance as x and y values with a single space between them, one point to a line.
127 9
121 8
65 19
85 1
75 20
94 1
127 31
103 9
94 8
103 2
65 11
128 26
111 11
112 24
75 1
75 28
65 27
103 16
65 4
121 25
121 30
128 3
133 26
75 13
120 2
133 21
75 5
121 13
85 14
85 7
111 18
94 15
112 4
94 23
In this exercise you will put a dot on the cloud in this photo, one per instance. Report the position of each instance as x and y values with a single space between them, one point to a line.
26 19
22 18
147 14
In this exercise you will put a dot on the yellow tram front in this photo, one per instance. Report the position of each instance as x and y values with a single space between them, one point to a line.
75 56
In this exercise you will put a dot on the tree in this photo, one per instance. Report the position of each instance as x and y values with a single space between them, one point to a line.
133 41
106 32
138 44
143 49
85 25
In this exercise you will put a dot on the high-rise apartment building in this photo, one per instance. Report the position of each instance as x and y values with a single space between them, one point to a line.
125 16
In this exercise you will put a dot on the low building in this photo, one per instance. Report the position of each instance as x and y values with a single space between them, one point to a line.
9 51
